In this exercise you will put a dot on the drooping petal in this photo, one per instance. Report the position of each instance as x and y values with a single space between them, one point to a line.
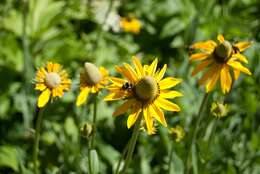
221 38
207 74
133 117
199 56
201 66
169 82
82 97
243 45
148 120
207 45
170 94
131 71
44 98
225 79
213 79
161 73
240 57
152 68
167 105
238 66
138 66
124 107
158 114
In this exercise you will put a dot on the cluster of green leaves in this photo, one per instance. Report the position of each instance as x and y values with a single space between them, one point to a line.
72 32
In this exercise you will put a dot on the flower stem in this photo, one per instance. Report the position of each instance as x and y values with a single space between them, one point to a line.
39 116
94 122
132 144
170 159
122 157
197 125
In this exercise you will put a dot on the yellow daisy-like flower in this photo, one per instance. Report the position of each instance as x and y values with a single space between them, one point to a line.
52 80
145 91
130 24
92 80
218 58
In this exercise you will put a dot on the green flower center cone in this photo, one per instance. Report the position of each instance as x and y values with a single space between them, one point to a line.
223 51
146 89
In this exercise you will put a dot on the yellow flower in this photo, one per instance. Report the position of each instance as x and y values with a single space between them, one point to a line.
52 80
144 91
130 24
92 80
219 109
177 133
219 58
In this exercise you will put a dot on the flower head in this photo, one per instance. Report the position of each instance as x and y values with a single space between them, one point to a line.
177 133
52 80
130 24
218 59
144 90
92 80
218 109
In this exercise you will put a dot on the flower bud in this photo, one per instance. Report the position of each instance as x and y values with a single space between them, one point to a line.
86 130
177 133
52 80
92 74
219 109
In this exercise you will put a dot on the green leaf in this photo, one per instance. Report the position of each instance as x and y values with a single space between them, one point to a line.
172 27
94 163
177 164
8 157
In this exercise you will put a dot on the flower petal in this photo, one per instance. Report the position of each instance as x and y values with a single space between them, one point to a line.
125 73
221 38
167 105
243 45
131 71
152 67
124 107
207 74
238 66
138 66
225 79
201 66
207 45
236 74
240 57
44 98
82 97
161 73
158 114
213 79
199 56
170 94
133 117
169 82
148 120
40 86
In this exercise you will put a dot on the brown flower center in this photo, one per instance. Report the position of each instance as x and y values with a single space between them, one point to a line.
92 74
52 80
223 52
146 89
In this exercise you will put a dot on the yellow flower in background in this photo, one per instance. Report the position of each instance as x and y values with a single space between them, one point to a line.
92 80
52 80
177 133
144 90
218 59
218 109
130 24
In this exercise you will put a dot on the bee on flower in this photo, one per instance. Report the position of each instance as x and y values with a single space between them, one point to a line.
144 91
130 24
52 81
92 80
218 59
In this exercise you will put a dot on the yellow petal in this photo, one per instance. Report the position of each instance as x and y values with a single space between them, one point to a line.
138 66
152 67
213 79
125 73
158 114
133 117
207 74
44 98
40 86
240 57
243 45
225 79
169 82
161 73
170 94
114 96
201 66
236 74
56 67
82 97
221 38
167 105
199 56
131 71
49 66
117 81
238 66
103 71
124 107
148 120
208 45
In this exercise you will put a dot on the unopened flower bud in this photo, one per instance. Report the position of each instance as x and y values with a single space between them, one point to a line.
92 74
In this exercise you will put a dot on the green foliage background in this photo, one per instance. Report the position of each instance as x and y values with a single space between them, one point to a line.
72 32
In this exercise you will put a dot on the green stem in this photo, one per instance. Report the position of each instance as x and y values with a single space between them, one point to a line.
39 116
132 144
94 122
170 159
121 158
197 125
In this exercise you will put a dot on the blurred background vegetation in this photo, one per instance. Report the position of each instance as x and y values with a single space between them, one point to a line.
71 32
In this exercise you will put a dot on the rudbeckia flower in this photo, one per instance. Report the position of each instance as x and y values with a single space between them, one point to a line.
92 80
130 24
144 90
218 59
52 80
